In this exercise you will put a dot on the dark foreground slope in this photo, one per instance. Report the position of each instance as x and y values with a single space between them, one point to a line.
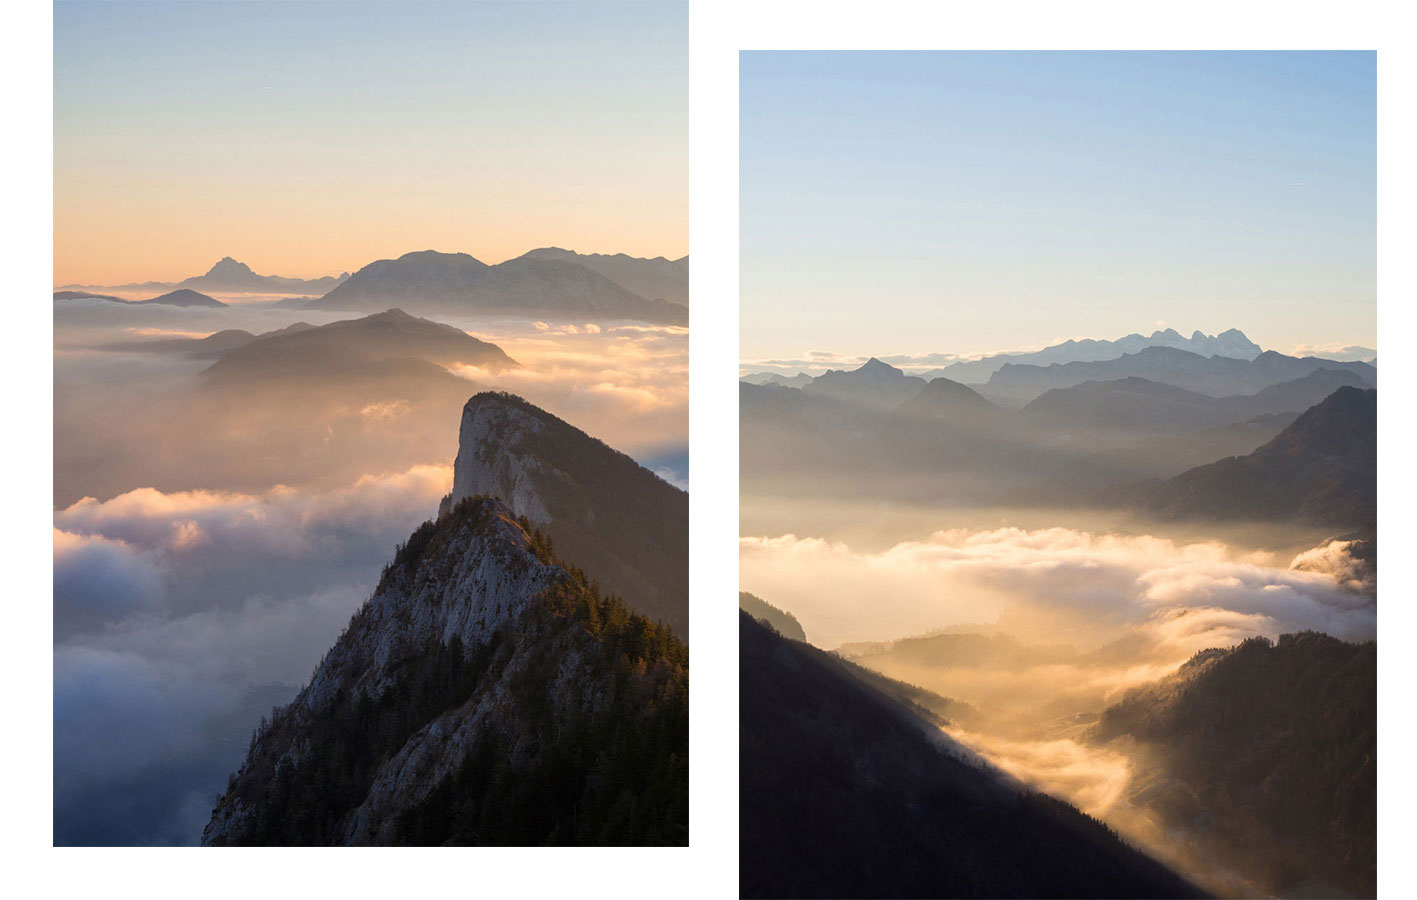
1272 755
486 694
844 793
607 514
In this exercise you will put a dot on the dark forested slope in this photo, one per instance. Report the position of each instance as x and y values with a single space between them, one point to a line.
845 793
1272 752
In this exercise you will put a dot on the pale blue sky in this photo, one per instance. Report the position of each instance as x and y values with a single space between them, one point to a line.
914 202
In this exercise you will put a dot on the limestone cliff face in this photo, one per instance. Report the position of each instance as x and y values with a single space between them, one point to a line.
625 526
478 654
495 457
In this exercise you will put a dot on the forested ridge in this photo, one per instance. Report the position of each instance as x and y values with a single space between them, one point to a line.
612 769
1272 752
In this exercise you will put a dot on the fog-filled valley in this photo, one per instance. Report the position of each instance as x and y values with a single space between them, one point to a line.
231 480
1138 576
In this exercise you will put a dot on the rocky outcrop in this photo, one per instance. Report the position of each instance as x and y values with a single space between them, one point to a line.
604 512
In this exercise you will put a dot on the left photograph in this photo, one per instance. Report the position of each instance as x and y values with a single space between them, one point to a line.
371 423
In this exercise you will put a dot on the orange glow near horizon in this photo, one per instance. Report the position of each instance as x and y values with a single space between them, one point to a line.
305 243
309 139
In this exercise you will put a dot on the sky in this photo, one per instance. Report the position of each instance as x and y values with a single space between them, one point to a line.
973 202
311 138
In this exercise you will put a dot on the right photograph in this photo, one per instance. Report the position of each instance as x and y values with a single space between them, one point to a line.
1058 459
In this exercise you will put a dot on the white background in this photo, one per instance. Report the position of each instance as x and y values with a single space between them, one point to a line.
708 868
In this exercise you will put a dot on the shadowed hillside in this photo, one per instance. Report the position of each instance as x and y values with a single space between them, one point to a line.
1272 752
1322 469
846 793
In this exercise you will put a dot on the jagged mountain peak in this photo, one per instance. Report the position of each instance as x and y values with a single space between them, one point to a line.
226 266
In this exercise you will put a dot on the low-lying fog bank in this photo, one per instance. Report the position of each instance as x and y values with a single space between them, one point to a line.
210 541
1040 630
133 410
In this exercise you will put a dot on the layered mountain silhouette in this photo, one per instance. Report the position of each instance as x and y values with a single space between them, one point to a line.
487 693
606 513
390 342
86 295
229 276
183 297
1217 376
179 297
1320 469
1270 753
761 378
1136 403
653 279
429 282
875 386
1163 455
300 406
876 430
213 345
1232 343
846 790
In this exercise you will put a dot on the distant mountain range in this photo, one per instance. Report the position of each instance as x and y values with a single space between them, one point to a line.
1217 376
1232 343
653 279
179 297
1136 403
605 512
432 283
875 385
876 429
489 692
799 380
847 788
1225 365
232 277
549 282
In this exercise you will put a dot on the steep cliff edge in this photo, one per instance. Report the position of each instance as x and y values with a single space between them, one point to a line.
606 513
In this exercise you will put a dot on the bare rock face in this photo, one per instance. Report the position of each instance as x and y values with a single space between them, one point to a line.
605 513
483 466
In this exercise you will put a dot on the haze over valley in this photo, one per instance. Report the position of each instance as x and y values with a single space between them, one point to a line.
1053 564
230 479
